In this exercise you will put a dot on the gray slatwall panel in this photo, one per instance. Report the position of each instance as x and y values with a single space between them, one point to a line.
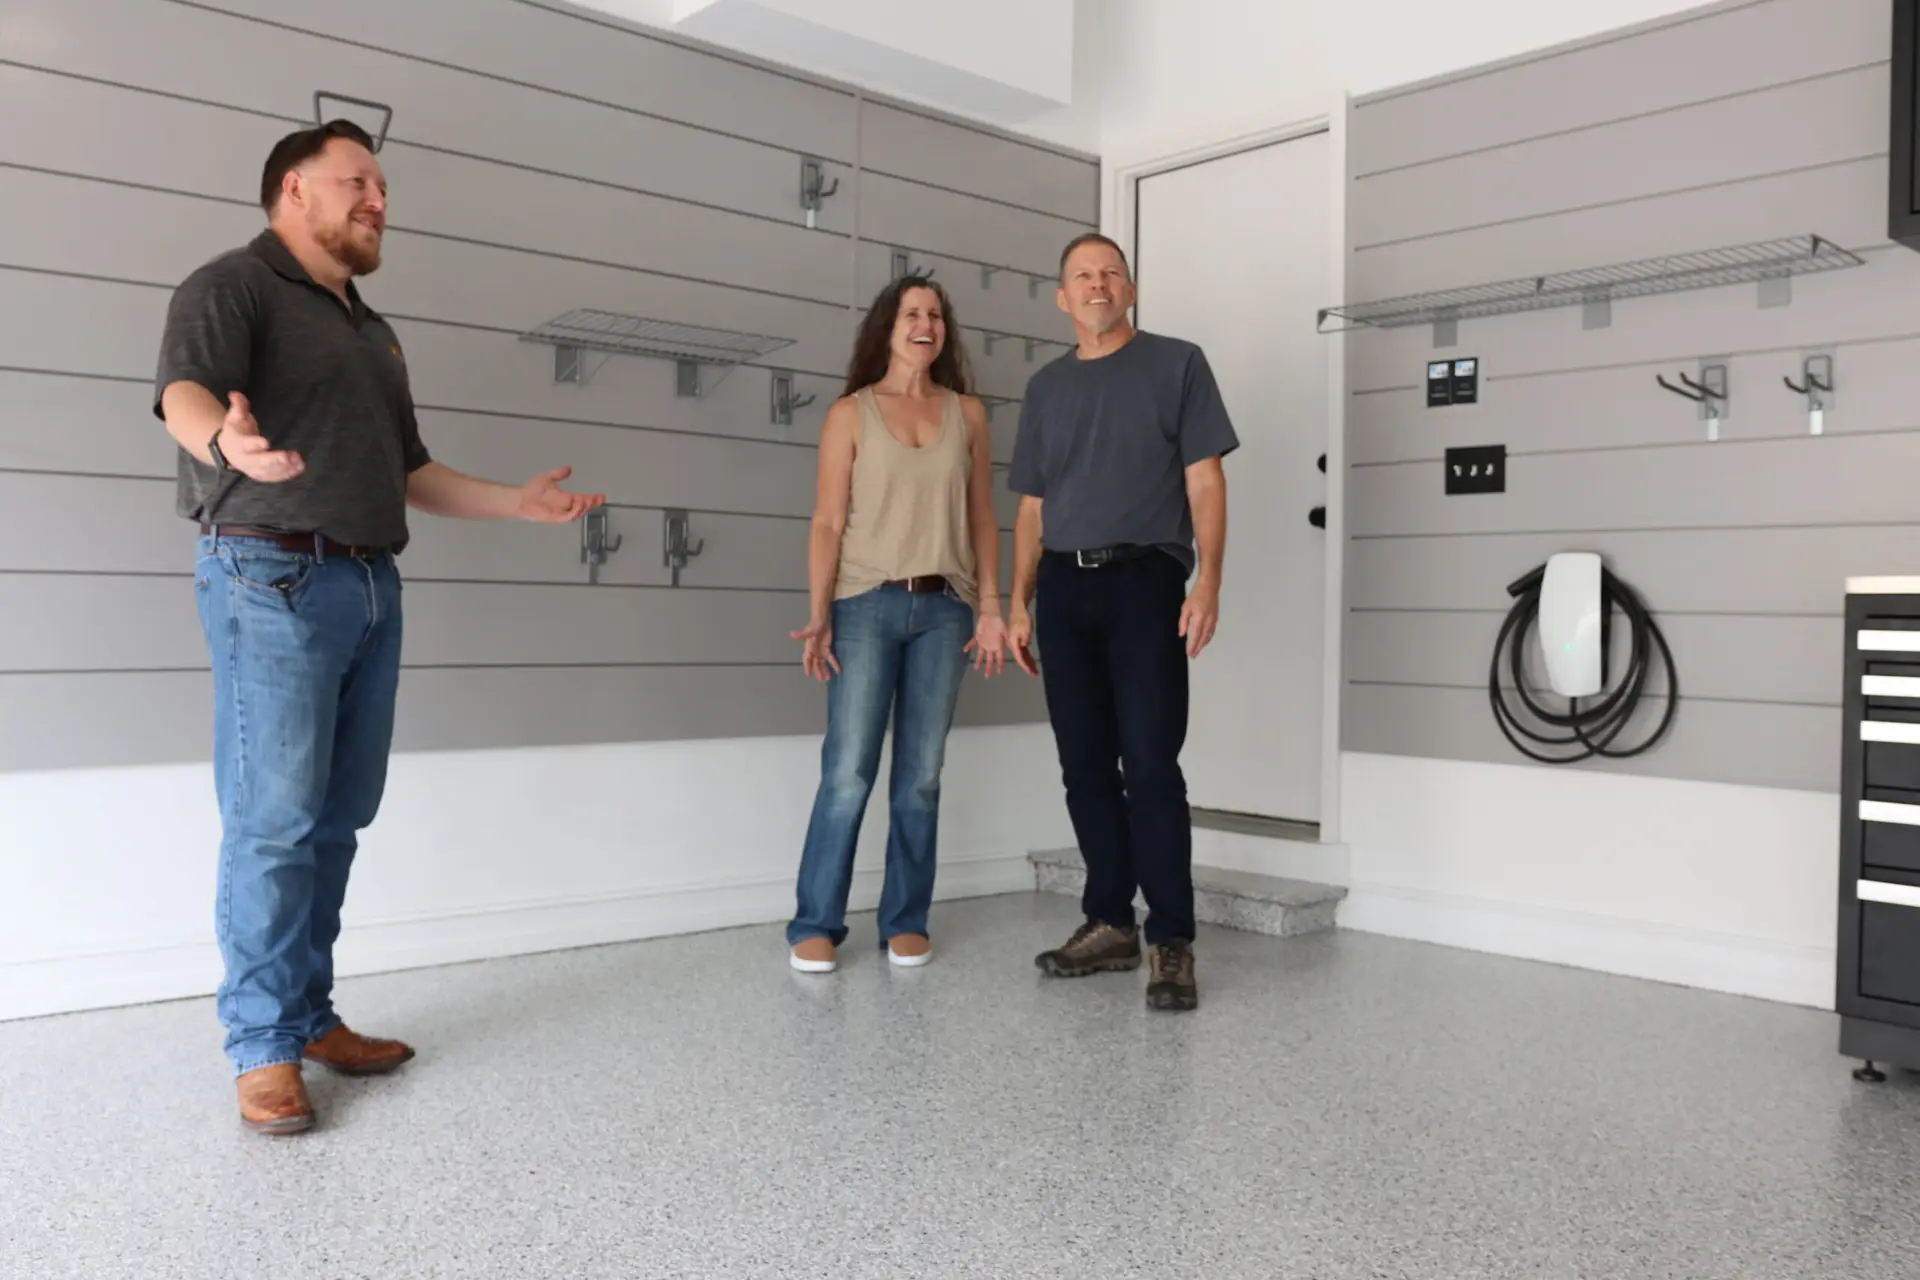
1767 522
1786 570
1738 659
440 107
1842 202
1002 305
115 719
1789 127
81 424
1863 303
589 56
908 145
434 193
1610 408
1760 483
1748 743
496 373
896 212
1691 60
77 225
447 624
131 529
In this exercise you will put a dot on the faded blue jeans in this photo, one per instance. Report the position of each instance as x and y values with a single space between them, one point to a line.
904 655
306 666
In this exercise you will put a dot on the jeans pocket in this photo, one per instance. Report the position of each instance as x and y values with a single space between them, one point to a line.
277 577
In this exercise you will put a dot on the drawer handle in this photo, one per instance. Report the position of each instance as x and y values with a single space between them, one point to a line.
1890 686
1897 895
1889 731
1905 815
1890 641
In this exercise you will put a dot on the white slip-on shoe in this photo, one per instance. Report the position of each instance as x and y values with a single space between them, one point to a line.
909 951
813 955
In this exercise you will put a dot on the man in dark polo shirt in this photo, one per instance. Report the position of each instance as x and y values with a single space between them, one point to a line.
1118 468
299 456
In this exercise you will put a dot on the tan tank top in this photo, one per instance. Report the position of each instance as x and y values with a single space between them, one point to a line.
907 509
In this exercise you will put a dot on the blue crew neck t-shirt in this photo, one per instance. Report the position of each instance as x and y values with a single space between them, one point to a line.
1105 444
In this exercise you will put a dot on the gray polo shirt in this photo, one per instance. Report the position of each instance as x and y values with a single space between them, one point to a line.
325 380
1106 443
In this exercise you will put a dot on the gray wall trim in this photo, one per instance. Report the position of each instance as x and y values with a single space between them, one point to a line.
1619 35
824 82
1597 125
1623 203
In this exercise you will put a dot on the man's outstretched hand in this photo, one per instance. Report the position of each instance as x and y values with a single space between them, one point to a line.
544 501
248 452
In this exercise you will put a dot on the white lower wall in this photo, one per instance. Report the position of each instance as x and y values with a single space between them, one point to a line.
106 877
1721 887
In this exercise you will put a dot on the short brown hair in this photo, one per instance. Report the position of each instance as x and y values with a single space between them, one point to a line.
299 147
1091 237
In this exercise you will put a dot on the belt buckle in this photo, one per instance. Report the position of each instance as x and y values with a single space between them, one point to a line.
1081 558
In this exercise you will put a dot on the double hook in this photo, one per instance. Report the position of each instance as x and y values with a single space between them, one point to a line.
1812 385
1699 392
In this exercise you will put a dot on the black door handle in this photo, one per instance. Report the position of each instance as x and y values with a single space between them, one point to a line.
1317 517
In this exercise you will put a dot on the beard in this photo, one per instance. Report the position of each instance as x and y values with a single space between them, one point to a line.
346 248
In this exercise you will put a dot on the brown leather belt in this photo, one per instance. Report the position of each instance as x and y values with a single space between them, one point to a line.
930 585
297 541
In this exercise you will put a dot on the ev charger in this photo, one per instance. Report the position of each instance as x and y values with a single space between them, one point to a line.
1571 613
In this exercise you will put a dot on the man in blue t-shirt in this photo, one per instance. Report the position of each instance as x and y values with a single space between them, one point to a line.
1118 468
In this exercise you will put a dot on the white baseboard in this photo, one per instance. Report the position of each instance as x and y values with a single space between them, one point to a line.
40 986
1785 972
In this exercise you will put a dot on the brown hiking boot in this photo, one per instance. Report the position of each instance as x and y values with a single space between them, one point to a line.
274 1100
1172 985
1095 947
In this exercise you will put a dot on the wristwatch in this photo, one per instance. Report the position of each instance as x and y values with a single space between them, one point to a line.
213 449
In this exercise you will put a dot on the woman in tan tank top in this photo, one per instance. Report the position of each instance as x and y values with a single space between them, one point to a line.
903 577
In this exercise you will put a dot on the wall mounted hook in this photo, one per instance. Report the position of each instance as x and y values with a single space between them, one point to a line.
1816 384
1709 391
678 548
814 188
323 96
597 541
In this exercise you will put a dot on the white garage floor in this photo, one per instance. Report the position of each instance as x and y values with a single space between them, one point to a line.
1341 1106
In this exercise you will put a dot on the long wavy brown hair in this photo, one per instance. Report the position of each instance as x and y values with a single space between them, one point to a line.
872 345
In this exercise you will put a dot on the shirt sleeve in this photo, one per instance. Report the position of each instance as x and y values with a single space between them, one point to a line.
1205 430
1025 477
208 336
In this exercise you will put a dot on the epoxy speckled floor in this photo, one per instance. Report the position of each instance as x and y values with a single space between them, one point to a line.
1341 1106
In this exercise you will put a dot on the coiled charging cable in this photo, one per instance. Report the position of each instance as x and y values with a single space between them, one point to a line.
1592 728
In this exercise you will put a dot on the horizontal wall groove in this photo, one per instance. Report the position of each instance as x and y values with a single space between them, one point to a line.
396 139
1640 32
1601 533
422 60
432 580
1575 130
1655 446
1490 612
1685 697
43 673
975 195
1625 202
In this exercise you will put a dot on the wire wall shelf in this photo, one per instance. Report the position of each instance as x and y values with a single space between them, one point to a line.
663 339
689 346
1770 263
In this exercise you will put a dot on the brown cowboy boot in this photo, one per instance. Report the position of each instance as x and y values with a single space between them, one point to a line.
352 1054
273 1100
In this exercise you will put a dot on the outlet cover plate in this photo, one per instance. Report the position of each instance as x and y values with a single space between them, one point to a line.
1477 469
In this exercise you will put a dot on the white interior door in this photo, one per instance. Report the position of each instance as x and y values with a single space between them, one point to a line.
1233 254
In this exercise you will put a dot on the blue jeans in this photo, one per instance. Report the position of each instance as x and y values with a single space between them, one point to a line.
306 665
898 653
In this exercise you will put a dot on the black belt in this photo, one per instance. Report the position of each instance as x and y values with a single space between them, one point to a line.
312 542
931 584
1096 557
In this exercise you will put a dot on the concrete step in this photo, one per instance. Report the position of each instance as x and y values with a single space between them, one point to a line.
1272 905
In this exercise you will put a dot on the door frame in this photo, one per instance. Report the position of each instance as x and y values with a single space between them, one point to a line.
1120 175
